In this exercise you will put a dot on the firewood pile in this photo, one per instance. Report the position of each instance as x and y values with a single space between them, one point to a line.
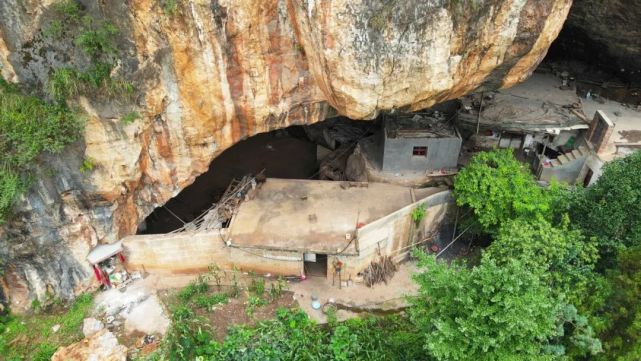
379 271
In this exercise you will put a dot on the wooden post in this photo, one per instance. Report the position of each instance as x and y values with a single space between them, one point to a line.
478 117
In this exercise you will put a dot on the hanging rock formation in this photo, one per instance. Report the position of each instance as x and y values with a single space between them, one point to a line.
216 71
604 33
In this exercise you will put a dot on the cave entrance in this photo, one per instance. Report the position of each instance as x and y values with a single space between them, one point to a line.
281 154
289 153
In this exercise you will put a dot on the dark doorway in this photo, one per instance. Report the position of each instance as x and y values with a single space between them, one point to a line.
588 178
315 265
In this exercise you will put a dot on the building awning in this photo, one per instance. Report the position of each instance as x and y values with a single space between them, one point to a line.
104 251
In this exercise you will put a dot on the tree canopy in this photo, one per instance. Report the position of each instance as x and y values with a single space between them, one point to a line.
611 208
497 187
564 257
489 312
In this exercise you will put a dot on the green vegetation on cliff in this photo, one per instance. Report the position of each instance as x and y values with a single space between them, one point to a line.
29 126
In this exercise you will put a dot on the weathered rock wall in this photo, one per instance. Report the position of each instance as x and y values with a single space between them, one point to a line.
217 71
604 33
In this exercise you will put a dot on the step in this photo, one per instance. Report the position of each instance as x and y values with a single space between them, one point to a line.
563 159
555 162
577 154
584 150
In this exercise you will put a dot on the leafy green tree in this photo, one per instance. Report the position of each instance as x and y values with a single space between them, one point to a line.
622 337
564 257
490 312
611 208
498 188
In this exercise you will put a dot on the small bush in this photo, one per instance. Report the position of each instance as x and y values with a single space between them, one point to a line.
257 286
44 353
130 118
40 341
87 165
54 29
253 302
68 9
170 7
192 289
418 213
64 83
276 289
207 301
29 127
96 38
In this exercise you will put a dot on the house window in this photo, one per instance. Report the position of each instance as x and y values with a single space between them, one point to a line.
419 151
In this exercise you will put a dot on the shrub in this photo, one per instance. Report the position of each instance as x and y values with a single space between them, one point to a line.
130 118
170 7
44 353
192 289
257 286
96 38
87 165
68 9
418 213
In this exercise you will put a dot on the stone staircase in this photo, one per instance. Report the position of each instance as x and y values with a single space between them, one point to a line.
566 168
566 158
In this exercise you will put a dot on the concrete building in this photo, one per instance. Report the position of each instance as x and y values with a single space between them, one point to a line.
542 123
419 144
410 148
547 126
297 227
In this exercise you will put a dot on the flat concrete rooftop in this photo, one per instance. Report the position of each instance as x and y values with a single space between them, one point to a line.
313 215
414 125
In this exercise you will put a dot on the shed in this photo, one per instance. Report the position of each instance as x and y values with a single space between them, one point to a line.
103 252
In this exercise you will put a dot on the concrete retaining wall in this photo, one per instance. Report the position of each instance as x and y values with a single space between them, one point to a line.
193 253
394 233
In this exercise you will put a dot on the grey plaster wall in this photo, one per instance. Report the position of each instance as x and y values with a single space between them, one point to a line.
567 173
441 153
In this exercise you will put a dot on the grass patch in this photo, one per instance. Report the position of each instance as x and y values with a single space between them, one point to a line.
31 337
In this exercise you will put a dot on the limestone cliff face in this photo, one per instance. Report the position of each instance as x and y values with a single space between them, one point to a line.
217 71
